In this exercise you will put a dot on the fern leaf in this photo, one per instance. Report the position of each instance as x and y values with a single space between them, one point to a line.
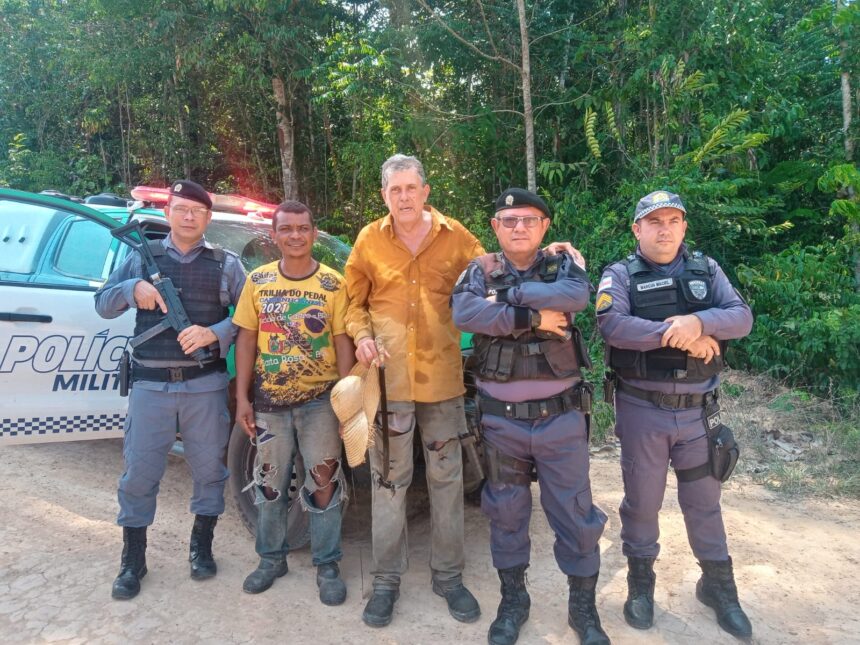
590 122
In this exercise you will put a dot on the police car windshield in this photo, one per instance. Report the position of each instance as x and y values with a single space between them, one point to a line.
255 248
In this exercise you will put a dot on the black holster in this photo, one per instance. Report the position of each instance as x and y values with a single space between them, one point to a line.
124 373
470 441
504 469
610 381
723 450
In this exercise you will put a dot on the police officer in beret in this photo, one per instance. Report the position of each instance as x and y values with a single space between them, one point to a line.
170 391
527 361
666 313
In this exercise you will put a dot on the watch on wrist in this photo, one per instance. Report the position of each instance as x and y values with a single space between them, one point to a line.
535 319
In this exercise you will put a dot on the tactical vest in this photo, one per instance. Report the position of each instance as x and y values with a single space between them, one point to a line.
199 286
656 296
528 356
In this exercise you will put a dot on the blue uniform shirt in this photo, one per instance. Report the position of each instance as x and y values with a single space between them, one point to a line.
729 318
472 312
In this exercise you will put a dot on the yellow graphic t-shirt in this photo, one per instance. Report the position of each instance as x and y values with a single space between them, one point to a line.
295 321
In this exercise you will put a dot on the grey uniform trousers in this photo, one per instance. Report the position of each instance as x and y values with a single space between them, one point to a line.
558 446
651 439
150 430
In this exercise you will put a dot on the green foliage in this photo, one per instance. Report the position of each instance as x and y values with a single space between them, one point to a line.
736 106
807 326
590 123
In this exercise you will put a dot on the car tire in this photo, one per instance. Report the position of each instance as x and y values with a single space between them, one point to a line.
240 460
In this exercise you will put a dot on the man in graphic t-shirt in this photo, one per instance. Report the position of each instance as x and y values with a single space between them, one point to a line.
292 340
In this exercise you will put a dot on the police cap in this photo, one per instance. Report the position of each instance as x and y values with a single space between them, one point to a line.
187 189
519 197
658 199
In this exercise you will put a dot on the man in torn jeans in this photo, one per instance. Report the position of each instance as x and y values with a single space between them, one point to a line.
293 341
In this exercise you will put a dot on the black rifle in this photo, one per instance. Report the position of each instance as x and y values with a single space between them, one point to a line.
176 316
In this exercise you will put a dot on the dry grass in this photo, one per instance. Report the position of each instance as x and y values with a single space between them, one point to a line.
792 441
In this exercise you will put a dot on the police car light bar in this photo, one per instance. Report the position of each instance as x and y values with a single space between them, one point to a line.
242 204
228 203
150 194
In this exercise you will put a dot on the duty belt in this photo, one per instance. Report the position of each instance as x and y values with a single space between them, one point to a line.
669 401
175 374
576 398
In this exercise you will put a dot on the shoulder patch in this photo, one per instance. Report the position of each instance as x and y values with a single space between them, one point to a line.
465 278
605 283
462 277
604 302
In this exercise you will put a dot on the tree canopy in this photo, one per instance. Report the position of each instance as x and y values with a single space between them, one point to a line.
749 110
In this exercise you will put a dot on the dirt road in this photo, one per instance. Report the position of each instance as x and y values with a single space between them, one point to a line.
796 563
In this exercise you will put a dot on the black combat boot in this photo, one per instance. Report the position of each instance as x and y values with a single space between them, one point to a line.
716 588
513 609
582 612
200 552
133 566
639 608
380 607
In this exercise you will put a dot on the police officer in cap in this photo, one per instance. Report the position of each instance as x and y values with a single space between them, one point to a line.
171 391
666 314
527 361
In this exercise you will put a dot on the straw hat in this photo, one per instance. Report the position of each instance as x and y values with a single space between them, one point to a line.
355 400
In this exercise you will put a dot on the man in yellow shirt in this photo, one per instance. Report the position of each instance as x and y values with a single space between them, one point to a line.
399 278
292 341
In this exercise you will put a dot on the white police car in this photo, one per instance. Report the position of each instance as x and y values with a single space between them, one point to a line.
58 358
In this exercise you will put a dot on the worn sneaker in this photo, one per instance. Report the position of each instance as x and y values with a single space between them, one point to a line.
331 585
461 603
264 576
380 607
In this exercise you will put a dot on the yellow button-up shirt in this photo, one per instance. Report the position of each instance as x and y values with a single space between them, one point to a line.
404 300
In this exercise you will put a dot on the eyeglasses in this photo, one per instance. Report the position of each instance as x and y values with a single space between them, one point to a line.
182 211
511 221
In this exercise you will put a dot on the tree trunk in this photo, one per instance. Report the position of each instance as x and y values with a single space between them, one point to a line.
528 112
286 138
846 135
562 86
126 180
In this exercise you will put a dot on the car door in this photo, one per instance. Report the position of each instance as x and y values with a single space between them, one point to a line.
58 358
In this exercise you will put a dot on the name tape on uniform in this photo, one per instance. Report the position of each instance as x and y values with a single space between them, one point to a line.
656 284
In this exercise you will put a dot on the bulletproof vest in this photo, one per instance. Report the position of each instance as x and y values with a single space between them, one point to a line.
527 356
656 296
199 286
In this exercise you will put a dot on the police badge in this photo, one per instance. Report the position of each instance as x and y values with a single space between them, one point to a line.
699 289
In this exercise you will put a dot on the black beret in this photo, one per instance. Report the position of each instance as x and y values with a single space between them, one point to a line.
517 197
187 189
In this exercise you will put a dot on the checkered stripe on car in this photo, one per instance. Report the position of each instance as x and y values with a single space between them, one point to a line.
61 425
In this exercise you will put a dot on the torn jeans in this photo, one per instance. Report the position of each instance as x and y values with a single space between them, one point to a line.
311 429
